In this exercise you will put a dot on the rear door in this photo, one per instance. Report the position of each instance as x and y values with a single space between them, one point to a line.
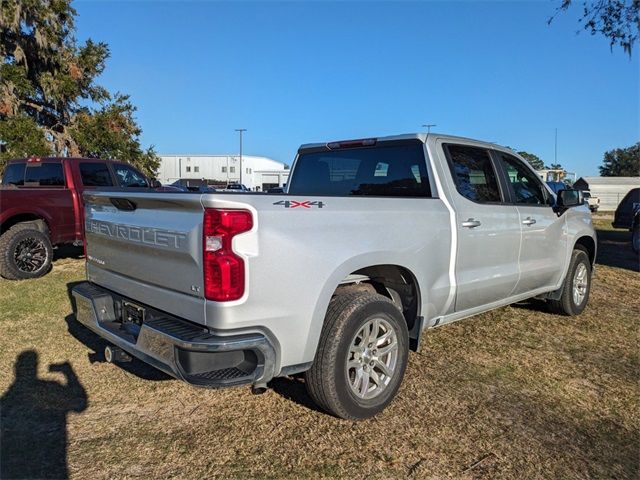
488 229
544 242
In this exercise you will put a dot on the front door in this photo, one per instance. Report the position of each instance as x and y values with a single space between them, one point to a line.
544 242
488 229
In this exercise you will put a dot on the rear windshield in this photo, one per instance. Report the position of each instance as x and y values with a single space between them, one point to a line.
44 175
387 171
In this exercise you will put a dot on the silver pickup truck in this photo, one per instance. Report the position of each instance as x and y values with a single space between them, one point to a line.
373 242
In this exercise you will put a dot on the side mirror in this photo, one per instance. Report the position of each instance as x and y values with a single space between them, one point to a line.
155 184
569 198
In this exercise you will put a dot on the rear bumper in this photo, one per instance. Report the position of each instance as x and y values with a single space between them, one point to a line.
178 347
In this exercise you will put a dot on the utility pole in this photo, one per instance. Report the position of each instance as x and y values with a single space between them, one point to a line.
241 130
555 152
428 127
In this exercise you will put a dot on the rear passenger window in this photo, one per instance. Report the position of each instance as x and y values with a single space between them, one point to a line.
13 174
44 175
526 185
95 175
473 173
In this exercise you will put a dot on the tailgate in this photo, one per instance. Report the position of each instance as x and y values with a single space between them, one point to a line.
141 243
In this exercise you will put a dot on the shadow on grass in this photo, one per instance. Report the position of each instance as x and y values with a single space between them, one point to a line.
97 345
33 424
614 250
293 389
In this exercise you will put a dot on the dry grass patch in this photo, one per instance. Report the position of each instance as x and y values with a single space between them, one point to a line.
516 392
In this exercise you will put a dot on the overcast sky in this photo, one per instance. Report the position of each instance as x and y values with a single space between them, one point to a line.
296 72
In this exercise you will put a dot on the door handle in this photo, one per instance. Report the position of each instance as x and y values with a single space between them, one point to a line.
471 223
529 221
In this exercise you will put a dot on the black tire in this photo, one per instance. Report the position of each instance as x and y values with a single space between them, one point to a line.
328 381
15 264
567 304
635 237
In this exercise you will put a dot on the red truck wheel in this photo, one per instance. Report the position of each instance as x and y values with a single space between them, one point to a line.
25 252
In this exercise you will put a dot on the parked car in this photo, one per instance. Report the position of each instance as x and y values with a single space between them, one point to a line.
376 241
42 207
593 202
627 216
236 187
276 190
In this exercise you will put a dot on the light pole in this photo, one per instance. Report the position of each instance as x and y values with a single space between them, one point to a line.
241 130
428 127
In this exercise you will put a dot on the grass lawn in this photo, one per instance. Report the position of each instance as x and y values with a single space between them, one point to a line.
517 392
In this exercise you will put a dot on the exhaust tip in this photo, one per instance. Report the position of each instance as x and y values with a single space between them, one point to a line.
258 389
114 354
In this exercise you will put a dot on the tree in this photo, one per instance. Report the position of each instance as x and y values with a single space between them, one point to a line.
621 162
533 160
617 20
556 166
50 103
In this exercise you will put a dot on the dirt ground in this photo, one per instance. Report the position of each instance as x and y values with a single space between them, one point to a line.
517 392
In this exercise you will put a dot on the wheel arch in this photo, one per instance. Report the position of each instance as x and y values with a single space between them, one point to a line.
588 244
386 275
38 220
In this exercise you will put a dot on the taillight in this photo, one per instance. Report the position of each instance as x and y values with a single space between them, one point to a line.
223 269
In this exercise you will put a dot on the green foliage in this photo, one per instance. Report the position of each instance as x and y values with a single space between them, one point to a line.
533 160
621 162
556 166
49 100
22 138
617 20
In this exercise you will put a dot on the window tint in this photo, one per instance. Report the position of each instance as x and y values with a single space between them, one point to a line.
44 175
14 174
526 185
129 177
473 173
95 175
392 171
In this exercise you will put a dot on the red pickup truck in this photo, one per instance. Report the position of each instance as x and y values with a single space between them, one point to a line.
41 207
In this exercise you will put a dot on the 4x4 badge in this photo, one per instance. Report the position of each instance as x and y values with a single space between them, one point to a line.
299 204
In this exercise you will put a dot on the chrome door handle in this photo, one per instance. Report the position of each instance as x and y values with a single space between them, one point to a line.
529 221
471 223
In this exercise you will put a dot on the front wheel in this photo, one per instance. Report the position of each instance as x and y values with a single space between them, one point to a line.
576 286
361 358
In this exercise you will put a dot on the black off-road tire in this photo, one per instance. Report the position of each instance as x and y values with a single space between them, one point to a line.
566 305
327 381
10 242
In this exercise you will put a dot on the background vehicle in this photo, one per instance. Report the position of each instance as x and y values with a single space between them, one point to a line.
593 202
628 216
41 206
375 241
236 187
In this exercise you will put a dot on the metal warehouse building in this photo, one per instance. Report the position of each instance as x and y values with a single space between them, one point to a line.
610 190
257 172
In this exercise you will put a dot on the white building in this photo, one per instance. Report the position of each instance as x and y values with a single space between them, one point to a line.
258 173
610 190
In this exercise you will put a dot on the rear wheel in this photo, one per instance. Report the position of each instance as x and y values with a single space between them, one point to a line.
361 358
25 252
576 287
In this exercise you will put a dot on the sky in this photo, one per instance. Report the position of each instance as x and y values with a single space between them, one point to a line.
301 72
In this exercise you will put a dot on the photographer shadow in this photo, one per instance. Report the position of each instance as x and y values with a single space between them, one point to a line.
33 420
